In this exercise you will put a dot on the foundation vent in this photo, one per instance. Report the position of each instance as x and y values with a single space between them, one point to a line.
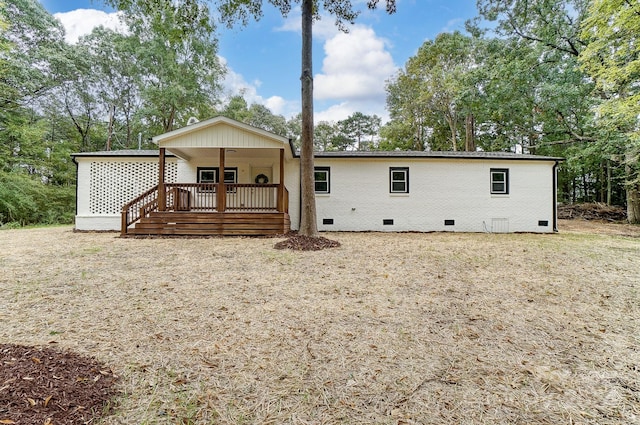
500 225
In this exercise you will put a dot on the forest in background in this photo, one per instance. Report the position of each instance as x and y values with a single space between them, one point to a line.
559 78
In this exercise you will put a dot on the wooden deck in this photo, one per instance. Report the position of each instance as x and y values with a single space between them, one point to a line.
211 223
208 209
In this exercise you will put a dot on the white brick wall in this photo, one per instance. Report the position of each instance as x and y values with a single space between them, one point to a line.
359 198
439 190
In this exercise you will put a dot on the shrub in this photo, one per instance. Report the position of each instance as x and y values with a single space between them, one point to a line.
26 201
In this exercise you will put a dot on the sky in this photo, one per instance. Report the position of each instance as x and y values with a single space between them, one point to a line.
350 69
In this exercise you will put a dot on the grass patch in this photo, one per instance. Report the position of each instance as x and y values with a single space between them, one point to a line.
387 328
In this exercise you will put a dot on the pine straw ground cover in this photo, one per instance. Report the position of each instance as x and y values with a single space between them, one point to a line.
406 328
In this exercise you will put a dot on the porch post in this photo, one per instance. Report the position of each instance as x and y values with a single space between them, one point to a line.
162 201
221 195
281 206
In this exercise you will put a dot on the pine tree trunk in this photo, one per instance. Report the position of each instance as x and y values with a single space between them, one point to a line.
633 205
112 112
470 145
609 182
633 190
308 224
451 119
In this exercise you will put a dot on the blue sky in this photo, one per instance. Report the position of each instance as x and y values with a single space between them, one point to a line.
350 70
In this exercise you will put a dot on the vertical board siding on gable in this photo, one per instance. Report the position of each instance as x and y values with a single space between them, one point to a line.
222 137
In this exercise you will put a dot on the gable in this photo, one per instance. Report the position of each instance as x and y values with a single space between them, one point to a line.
220 132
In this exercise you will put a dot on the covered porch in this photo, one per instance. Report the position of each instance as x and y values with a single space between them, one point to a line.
230 182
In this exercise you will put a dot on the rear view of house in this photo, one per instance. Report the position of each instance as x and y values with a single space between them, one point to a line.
221 176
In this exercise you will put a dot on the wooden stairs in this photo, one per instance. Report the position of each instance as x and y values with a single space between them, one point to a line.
212 223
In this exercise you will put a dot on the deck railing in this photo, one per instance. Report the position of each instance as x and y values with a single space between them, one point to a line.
204 197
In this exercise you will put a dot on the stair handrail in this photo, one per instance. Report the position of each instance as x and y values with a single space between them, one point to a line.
132 211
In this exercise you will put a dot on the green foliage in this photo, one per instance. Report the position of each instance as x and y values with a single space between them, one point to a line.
236 109
260 116
115 86
357 131
397 134
612 58
536 95
234 11
26 201
428 94
34 40
525 89
256 115
554 24
177 59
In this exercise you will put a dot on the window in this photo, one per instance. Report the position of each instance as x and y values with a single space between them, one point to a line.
230 175
207 175
399 180
321 178
500 181
210 175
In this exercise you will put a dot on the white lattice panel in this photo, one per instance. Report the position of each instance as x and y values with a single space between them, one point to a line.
113 184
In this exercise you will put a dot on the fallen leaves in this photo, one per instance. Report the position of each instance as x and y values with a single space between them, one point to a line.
43 386
306 243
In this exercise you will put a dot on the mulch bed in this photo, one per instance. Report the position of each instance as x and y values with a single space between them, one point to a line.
46 386
306 243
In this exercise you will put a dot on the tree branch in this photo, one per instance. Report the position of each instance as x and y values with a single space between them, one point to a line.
637 12
572 51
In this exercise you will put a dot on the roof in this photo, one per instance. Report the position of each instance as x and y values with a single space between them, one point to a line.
355 154
120 153
434 154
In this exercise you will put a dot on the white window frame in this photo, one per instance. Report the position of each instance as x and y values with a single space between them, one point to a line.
327 181
202 170
405 180
504 181
216 176
234 173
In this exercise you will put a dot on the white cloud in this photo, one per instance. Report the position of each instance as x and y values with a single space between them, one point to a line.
343 110
355 67
277 104
81 22
334 113
234 84
354 70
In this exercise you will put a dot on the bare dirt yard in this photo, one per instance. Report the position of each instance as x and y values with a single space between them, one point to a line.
388 328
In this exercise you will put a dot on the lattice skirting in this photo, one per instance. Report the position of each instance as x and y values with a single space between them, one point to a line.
113 184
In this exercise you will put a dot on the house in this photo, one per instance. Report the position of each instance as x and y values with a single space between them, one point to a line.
221 176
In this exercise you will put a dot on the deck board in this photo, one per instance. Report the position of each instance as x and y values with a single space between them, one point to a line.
212 223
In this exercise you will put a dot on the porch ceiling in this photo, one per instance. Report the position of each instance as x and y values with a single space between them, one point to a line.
230 153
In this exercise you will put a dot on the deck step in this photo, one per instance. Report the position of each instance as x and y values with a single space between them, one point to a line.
212 223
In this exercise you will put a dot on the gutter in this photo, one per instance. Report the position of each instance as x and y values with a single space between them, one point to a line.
555 196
